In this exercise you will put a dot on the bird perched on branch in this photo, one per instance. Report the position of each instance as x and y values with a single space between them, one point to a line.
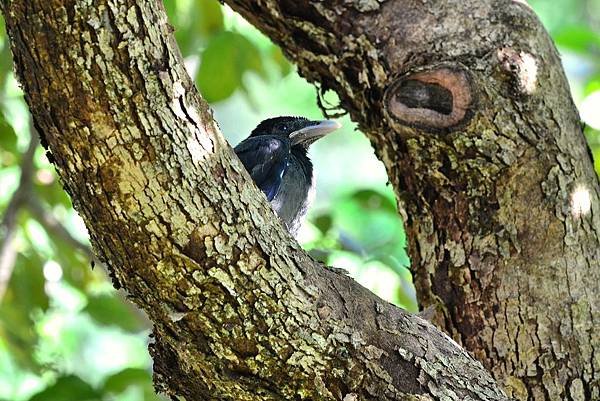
276 156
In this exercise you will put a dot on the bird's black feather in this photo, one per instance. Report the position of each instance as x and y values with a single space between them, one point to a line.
266 158
275 155
278 126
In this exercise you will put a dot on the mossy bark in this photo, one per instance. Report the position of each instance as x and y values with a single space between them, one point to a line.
485 182
468 107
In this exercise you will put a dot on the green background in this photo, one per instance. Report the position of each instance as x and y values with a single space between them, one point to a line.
66 334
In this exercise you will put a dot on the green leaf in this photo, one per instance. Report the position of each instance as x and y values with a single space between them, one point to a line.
406 296
39 239
368 225
201 20
323 222
370 220
18 335
578 38
26 286
285 67
25 294
53 193
209 17
227 58
111 310
370 199
8 137
67 388
6 61
9 181
592 85
171 9
119 382
596 154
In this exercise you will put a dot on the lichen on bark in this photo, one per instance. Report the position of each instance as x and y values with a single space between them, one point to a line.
240 311
497 242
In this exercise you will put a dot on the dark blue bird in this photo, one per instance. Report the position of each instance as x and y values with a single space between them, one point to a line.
276 156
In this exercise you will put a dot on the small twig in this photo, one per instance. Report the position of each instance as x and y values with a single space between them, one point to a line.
22 198
8 225
329 110
55 228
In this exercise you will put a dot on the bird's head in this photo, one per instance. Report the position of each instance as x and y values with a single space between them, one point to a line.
300 131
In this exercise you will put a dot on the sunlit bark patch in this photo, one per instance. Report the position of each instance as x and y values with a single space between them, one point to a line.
522 66
436 99
581 201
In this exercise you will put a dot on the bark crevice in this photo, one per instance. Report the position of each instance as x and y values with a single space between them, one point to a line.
240 311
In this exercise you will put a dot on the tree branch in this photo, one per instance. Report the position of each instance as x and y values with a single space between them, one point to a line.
8 225
55 228
468 107
240 311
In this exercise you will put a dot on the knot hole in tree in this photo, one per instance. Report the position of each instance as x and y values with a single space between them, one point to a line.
437 99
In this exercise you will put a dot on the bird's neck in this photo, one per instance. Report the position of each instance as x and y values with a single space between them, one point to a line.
301 154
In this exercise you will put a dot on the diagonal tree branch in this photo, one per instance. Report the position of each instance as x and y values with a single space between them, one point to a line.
240 311
468 130
53 226
8 225
58 231
468 107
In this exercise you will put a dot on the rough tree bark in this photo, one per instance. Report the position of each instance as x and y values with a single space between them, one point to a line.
466 104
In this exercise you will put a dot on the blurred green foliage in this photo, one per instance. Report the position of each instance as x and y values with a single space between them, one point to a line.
66 334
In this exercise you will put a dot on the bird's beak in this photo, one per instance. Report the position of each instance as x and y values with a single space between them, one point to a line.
311 133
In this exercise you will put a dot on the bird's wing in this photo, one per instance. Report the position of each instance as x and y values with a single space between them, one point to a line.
266 159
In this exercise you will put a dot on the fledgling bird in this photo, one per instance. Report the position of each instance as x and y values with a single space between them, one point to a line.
276 156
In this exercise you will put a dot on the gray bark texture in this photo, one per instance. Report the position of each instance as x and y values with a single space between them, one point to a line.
466 104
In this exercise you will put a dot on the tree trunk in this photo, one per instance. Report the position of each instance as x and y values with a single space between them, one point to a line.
467 105
468 108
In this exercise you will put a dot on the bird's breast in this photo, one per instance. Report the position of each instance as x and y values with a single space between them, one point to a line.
295 195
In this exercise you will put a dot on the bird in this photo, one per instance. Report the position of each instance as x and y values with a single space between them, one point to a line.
276 156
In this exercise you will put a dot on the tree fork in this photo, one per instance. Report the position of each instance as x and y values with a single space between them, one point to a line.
240 311
468 107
